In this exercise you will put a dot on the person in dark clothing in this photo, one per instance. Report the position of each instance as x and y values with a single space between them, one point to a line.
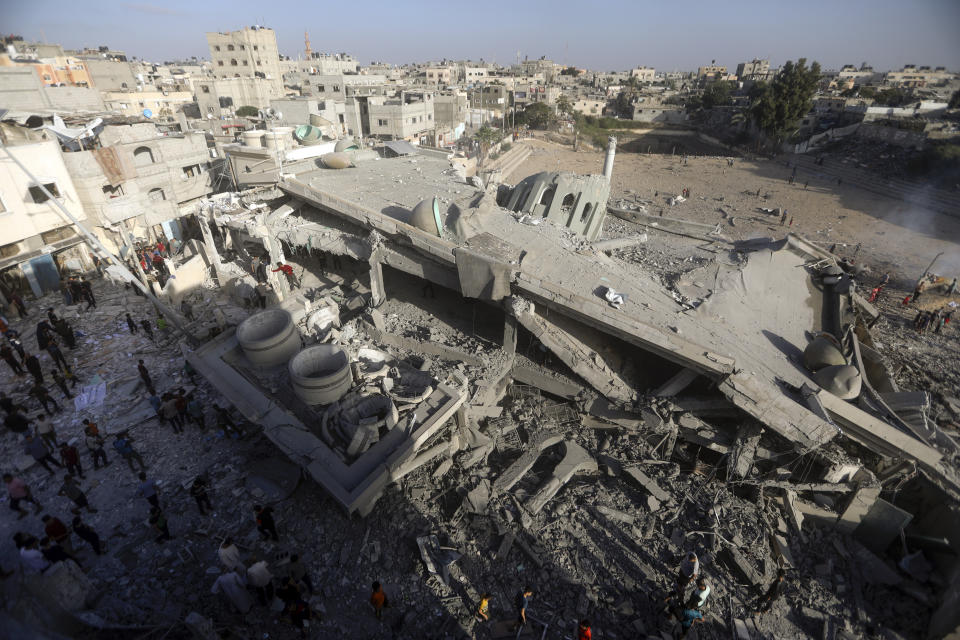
54 350
199 492
299 573
72 491
127 452
86 533
52 316
13 337
18 303
54 553
132 324
288 591
7 354
86 290
95 447
225 422
147 328
159 523
195 411
65 331
7 403
148 490
43 396
299 613
265 524
61 382
70 458
523 601
145 375
36 448
17 422
33 366
44 331
773 593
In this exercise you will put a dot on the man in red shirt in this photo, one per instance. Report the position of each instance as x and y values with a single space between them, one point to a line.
287 271
583 631
57 531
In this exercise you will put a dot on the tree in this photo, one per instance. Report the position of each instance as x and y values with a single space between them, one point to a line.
624 103
564 106
487 137
570 71
892 97
538 115
717 95
247 111
778 106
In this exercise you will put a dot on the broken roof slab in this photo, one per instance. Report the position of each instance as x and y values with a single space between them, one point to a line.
357 485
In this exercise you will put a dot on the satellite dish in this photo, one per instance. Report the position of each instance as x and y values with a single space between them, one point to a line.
147 113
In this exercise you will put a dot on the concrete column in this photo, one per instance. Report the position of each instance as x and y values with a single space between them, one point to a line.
509 334
378 292
608 161
209 247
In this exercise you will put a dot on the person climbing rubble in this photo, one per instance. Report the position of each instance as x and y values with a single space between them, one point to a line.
378 599
198 491
95 446
147 489
230 555
287 271
38 450
689 570
70 489
523 601
772 594
88 535
122 444
158 521
131 324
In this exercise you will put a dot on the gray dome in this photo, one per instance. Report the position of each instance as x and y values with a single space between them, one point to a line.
426 216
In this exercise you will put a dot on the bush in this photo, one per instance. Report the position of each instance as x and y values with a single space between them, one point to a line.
940 162
247 111
505 147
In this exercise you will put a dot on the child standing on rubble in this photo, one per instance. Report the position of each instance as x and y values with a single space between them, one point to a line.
379 600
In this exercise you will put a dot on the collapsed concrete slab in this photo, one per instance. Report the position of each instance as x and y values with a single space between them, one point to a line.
575 460
355 483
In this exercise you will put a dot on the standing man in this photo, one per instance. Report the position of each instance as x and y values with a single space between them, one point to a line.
699 596
265 524
689 570
773 593
230 555
86 291
583 630
234 586
145 376
44 430
37 449
72 491
70 457
7 354
87 534
132 324
95 447
126 450
33 366
199 492
19 491
260 577
523 601
61 382
148 490
195 410
168 411
43 396
57 531
379 600
147 328
54 350
159 523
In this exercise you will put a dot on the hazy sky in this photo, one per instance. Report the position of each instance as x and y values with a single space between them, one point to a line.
598 34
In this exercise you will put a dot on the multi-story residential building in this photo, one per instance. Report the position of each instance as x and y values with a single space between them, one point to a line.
471 75
643 74
329 64
914 76
141 183
523 96
247 53
340 86
221 97
711 73
590 106
450 109
21 89
111 75
409 116
754 70
440 76
490 96
38 240
154 104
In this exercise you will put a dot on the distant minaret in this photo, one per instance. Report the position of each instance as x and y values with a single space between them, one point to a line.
306 39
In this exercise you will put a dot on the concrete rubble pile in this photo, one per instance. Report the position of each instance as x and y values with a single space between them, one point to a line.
461 408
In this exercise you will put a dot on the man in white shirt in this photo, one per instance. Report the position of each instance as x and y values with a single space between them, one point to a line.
259 576
699 596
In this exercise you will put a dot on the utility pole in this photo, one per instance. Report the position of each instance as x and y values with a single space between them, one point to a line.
97 245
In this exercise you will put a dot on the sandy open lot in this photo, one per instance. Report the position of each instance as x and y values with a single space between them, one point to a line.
894 235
